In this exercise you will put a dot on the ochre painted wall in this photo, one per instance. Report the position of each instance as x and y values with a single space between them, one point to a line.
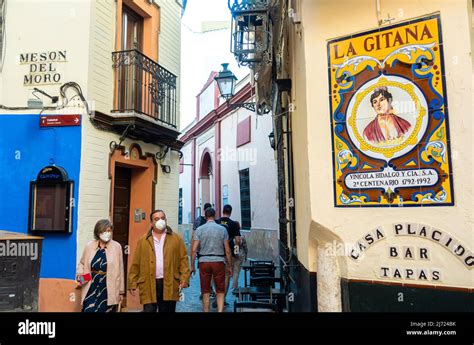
318 222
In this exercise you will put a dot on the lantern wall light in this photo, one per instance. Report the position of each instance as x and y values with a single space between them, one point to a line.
271 138
226 83
250 37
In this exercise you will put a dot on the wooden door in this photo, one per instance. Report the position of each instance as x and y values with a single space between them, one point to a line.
131 74
121 220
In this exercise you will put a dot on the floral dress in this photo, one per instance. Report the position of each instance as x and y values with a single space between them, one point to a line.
96 298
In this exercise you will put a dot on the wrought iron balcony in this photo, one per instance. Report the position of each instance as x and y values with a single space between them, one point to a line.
144 87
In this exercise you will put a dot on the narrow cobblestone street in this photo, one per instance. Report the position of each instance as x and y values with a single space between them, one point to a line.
191 301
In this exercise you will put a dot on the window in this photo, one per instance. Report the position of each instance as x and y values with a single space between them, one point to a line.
180 207
225 195
243 131
132 30
245 199
51 197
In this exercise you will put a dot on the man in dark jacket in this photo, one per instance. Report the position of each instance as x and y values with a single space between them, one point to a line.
233 230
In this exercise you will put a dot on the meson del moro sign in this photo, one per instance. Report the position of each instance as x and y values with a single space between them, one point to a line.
389 117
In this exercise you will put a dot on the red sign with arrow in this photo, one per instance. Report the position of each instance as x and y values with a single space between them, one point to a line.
60 120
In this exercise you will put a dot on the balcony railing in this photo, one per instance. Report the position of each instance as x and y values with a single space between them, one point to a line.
144 87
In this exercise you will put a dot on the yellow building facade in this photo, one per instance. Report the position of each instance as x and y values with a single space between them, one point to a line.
378 205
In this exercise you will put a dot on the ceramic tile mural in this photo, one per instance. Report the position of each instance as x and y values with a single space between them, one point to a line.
389 117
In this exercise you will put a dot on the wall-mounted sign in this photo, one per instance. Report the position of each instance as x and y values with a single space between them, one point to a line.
389 117
60 120
418 257
42 67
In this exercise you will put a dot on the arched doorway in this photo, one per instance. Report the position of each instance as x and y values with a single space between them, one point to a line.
205 181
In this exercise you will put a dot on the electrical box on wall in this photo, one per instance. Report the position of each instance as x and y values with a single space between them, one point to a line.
137 215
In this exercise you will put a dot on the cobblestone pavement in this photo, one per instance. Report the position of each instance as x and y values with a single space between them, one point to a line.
191 301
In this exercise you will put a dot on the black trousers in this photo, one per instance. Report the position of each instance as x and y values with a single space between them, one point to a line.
161 306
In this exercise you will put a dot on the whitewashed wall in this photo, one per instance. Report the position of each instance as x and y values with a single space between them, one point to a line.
185 179
205 141
169 43
206 101
29 32
101 46
258 157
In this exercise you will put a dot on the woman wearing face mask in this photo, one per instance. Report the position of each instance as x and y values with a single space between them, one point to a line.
100 271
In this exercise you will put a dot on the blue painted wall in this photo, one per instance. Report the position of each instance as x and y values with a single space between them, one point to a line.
25 148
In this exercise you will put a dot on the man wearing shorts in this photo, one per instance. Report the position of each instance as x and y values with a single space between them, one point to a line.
213 243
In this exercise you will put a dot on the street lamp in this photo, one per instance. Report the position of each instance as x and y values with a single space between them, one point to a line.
271 138
226 82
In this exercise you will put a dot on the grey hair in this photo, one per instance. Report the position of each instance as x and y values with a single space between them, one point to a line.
156 211
101 226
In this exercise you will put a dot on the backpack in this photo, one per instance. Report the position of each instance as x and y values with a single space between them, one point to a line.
233 251
198 222
243 248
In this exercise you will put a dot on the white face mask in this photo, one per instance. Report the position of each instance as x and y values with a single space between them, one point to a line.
106 236
160 224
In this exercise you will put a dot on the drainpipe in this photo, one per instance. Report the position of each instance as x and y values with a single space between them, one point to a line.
193 180
217 160
291 184
283 142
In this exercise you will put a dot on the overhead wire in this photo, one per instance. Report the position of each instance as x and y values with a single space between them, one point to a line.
64 102
3 17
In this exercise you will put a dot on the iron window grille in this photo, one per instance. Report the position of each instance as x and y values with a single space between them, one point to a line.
245 208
